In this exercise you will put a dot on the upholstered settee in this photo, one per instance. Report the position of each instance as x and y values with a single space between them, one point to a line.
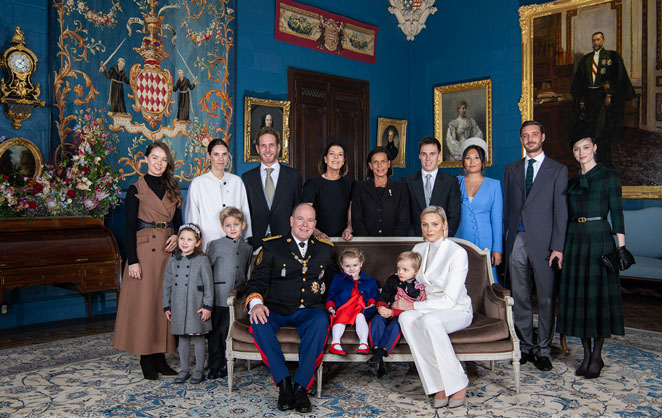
490 337
643 232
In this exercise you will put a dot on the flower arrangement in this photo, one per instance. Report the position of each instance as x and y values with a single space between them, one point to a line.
81 185
98 18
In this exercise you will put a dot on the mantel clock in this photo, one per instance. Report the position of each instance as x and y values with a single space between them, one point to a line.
17 92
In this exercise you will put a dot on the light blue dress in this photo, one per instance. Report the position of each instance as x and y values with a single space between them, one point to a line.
482 218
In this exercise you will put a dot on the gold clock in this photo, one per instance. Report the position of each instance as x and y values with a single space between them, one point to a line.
18 93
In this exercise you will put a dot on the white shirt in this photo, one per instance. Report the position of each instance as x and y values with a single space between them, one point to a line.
432 179
207 196
536 166
274 174
303 249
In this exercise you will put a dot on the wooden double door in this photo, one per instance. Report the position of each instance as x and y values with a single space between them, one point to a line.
325 108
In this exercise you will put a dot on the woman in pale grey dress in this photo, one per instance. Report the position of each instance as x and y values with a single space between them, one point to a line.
459 129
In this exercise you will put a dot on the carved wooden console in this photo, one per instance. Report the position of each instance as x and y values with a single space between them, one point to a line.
77 253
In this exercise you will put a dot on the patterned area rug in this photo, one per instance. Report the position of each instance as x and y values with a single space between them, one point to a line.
86 377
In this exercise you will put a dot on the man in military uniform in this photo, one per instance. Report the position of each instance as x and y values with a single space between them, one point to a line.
600 89
288 288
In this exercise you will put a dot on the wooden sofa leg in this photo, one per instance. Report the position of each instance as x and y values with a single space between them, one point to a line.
516 374
564 345
319 380
230 375
248 364
492 365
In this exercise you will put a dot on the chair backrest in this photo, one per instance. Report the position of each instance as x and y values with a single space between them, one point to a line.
381 254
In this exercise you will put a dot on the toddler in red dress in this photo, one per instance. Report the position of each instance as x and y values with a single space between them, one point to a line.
351 301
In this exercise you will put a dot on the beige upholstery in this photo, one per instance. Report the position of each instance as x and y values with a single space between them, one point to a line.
491 335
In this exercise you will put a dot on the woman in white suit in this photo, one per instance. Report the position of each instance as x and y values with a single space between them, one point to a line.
447 309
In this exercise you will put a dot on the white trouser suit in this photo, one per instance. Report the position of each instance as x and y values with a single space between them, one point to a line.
447 309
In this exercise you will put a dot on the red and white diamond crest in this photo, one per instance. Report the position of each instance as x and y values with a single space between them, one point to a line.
152 91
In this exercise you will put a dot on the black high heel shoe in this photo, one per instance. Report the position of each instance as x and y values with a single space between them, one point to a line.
162 366
149 367
594 371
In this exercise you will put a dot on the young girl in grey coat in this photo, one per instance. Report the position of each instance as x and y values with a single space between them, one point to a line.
188 297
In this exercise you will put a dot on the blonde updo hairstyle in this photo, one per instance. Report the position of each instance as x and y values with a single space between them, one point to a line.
438 210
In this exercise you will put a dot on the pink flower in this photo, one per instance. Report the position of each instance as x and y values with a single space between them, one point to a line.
89 203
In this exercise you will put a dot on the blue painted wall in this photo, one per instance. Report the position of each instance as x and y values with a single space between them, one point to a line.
451 49
32 17
262 61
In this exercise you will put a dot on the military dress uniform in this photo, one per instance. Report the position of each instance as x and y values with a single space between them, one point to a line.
293 287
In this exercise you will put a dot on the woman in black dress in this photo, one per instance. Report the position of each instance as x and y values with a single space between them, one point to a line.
330 194
380 205
590 294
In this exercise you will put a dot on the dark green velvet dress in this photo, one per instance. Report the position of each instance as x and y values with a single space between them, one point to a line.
590 294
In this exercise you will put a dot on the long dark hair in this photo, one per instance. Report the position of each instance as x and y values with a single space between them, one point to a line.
372 152
168 180
322 166
481 155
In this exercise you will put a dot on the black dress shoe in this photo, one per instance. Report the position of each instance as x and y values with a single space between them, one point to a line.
285 395
149 367
301 401
526 357
543 363
217 373
162 366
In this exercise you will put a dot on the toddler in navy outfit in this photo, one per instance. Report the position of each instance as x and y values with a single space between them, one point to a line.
384 328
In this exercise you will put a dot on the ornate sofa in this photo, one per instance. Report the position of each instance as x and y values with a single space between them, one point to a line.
491 336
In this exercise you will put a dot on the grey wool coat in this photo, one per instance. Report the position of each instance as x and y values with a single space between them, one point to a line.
187 287
229 260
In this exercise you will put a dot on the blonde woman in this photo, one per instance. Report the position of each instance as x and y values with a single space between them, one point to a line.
447 308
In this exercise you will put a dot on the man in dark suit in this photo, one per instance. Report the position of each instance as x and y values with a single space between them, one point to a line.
273 190
535 213
431 186
288 288
600 89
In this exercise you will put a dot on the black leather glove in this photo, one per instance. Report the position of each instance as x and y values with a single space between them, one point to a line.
625 258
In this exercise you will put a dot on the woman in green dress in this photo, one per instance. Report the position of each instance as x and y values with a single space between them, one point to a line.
590 304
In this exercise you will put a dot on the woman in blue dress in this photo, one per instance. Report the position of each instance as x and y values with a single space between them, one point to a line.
482 203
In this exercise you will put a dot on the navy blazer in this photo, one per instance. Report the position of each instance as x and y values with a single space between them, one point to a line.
286 197
342 286
445 193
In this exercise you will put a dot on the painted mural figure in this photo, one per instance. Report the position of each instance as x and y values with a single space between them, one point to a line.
600 89
184 86
117 77
459 129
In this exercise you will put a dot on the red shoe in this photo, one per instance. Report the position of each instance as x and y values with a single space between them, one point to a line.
334 350
360 350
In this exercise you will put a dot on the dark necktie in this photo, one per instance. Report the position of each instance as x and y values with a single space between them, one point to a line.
529 176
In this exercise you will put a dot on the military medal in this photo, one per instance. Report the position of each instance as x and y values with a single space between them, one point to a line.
323 288
304 263
315 287
283 272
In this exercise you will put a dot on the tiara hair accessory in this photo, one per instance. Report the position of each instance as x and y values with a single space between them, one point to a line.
192 227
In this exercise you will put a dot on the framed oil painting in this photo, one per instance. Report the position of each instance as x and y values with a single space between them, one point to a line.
20 160
592 64
462 111
259 113
392 135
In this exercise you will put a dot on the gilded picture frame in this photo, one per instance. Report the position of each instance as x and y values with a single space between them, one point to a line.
453 125
20 158
566 28
256 115
393 131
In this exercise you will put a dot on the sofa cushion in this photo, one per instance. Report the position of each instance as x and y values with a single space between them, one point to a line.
646 268
643 229
481 330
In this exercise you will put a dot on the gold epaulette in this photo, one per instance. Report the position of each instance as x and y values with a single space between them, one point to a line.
326 241
271 237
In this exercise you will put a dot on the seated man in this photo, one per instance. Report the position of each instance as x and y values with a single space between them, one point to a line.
291 271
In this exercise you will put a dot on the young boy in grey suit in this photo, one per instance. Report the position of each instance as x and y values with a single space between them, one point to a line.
229 257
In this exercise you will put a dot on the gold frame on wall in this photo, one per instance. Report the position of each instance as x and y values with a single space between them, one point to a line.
527 16
440 124
283 106
22 142
400 126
